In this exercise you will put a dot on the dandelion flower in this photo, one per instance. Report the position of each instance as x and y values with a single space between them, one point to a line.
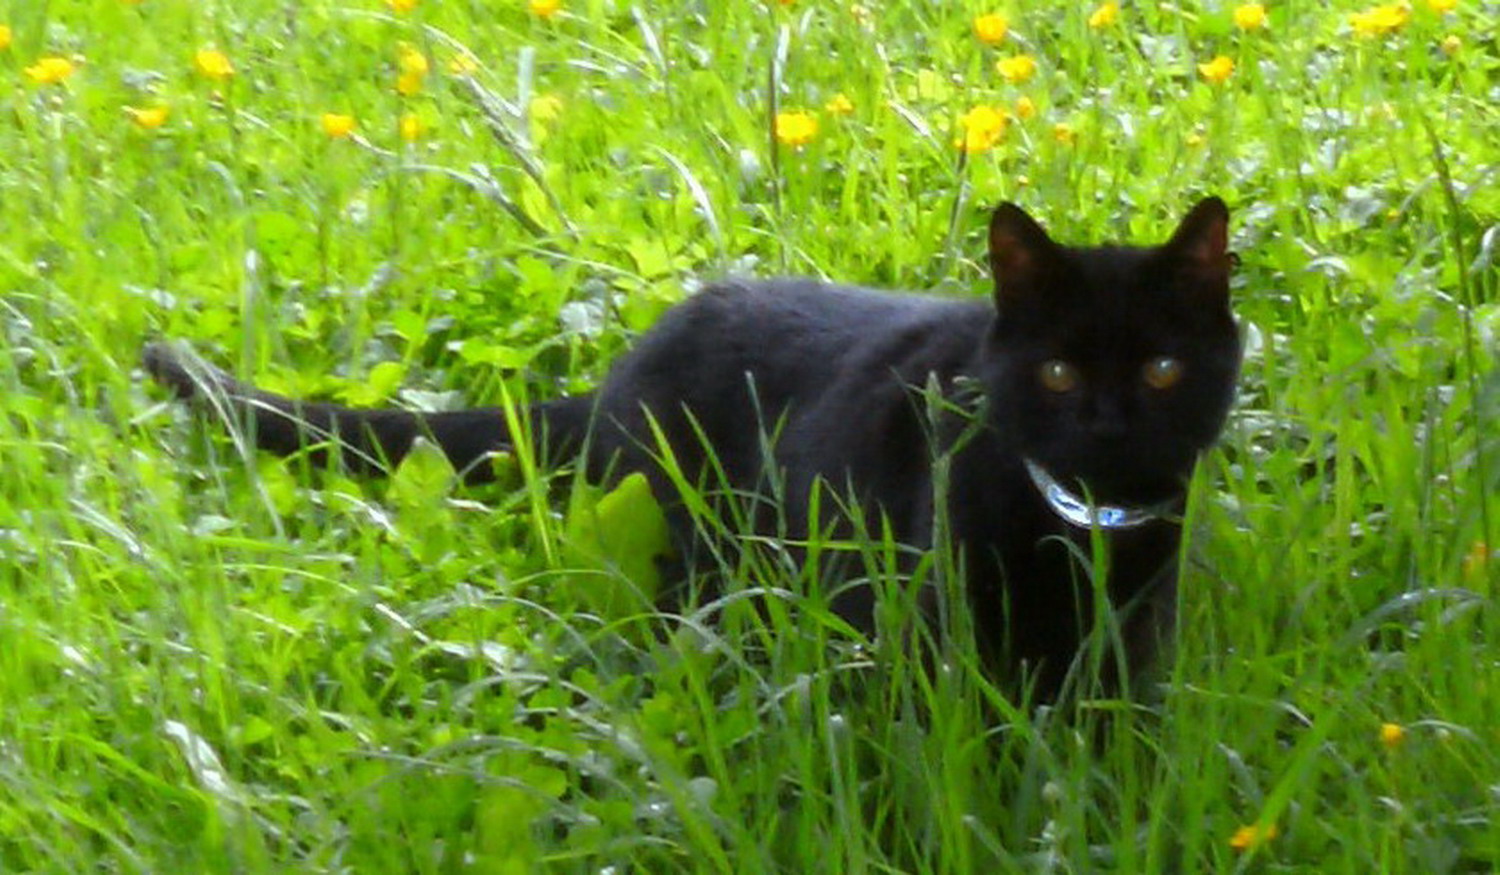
401 5
1064 133
338 126
1217 70
839 104
213 64
1025 108
5 37
50 71
1392 734
1250 16
991 28
411 127
149 118
983 127
1016 70
1253 836
796 128
544 8
1442 7
1106 15
1380 20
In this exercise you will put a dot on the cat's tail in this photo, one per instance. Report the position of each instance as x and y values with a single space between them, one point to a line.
365 440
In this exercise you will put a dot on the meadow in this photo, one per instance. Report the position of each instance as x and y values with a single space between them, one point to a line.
214 661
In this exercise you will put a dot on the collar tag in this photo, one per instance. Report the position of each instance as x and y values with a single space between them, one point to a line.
1076 511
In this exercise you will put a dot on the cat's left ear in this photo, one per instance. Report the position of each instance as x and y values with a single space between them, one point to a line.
1201 242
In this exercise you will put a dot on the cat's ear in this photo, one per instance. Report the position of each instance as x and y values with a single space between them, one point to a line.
1201 242
1020 252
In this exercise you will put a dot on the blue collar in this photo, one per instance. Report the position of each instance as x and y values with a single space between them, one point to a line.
1078 511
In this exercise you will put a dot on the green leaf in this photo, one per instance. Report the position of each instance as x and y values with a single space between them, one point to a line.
620 536
423 478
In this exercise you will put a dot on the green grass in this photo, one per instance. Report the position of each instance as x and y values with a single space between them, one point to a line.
214 662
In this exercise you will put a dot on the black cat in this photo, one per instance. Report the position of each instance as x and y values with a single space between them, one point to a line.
1079 399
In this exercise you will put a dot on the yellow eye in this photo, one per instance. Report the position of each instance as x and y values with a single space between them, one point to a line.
1058 376
1162 372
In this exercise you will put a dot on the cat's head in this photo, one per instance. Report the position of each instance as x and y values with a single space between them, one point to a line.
1112 367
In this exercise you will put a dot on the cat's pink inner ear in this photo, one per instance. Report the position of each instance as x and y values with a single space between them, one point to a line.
1203 236
1017 243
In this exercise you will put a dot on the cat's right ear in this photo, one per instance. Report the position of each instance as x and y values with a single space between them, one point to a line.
1019 253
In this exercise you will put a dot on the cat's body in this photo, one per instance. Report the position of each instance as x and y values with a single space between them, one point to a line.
1101 372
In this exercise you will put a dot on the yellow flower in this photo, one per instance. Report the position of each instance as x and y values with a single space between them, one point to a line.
1392 734
1250 16
545 108
991 28
983 127
1478 557
1451 45
213 63
410 60
796 128
149 118
463 65
1025 108
840 104
1252 836
338 126
1217 70
1194 140
1106 15
411 127
5 37
401 5
1017 69
50 71
408 84
1063 133
1442 7
1380 20
545 8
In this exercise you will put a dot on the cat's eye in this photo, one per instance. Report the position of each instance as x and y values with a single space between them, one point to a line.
1058 376
1162 372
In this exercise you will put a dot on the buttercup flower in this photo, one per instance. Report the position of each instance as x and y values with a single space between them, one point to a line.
50 71
463 65
338 126
983 127
839 104
5 37
796 128
545 8
1025 108
149 118
401 5
545 108
1451 45
1017 69
1063 133
1252 836
991 28
1380 20
411 127
1442 7
1250 16
413 68
1106 15
1392 734
1217 70
213 64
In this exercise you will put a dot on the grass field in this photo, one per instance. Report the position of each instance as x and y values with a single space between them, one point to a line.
215 661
